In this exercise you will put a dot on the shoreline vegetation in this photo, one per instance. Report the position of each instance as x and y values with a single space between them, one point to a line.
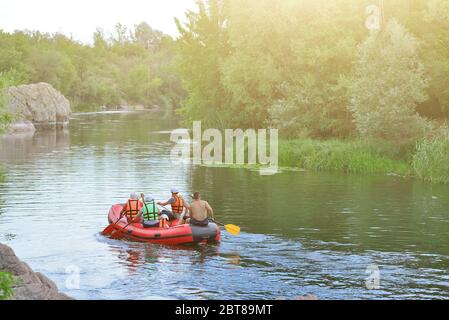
6 284
345 98
427 160
345 156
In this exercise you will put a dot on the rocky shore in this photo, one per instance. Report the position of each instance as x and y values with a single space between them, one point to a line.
28 285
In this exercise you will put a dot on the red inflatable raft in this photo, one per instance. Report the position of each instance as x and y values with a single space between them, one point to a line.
175 235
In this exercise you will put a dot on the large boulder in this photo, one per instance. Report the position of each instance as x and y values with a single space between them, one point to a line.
40 104
28 285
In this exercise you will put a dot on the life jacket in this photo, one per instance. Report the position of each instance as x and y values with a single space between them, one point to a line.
178 205
132 208
163 223
150 212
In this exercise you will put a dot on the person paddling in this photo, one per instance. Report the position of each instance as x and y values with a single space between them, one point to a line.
200 211
177 205
132 208
149 213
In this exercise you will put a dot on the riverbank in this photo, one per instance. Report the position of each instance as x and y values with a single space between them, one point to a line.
19 282
351 156
427 160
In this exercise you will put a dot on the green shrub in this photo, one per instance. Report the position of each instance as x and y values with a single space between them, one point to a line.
6 283
431 159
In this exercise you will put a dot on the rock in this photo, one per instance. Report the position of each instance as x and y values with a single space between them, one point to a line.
21 126
28 285
307 297
40 104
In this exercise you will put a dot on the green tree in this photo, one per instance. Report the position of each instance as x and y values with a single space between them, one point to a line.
146 36
100 41
120 35
389 83
54 67
436 56
201 49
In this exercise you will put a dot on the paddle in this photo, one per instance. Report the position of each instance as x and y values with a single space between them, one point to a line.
231 228
111 226
114 234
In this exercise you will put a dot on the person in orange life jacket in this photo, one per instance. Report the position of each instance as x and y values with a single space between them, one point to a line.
132 208
177 205
149 214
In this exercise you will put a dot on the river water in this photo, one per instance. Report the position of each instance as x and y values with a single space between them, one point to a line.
302 233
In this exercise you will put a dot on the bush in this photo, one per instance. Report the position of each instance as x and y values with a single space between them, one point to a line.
431 159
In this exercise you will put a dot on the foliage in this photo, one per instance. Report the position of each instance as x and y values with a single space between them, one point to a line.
126 67
290 64
6 283
341 156
430 162
7 79
389 83
200 50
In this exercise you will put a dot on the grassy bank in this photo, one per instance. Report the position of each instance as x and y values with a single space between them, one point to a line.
431 160
343 156
427 160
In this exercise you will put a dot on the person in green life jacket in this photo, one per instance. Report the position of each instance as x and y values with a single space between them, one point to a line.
149 213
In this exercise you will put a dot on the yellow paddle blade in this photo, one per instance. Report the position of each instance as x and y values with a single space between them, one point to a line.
233 229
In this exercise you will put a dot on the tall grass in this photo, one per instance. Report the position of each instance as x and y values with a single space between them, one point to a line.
6 284
431 159
343 156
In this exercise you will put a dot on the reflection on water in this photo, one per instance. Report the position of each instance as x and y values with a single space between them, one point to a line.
19 147
301 232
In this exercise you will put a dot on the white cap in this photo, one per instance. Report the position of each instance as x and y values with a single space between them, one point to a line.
174 190
149 199
134 196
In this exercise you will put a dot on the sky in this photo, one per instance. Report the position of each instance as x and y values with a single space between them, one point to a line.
80 18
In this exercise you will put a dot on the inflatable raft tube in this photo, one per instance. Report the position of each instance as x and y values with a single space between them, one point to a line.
175 235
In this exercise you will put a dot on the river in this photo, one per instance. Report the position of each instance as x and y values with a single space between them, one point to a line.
302 232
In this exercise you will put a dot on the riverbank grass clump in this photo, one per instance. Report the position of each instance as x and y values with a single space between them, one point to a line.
342 156
6 284
431 159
